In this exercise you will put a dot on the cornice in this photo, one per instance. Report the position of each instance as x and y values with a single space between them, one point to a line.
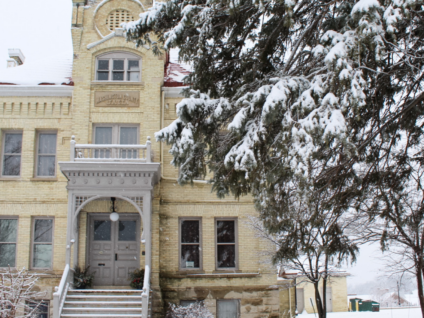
36 90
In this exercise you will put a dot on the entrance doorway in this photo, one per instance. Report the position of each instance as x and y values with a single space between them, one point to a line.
113 248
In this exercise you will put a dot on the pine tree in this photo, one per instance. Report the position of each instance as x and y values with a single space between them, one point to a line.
305 94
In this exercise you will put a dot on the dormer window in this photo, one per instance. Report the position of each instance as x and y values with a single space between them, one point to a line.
118 67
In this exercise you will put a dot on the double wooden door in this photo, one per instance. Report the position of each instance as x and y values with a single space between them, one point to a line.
114 248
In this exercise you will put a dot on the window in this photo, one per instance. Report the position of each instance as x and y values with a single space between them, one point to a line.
42 243
42 309
12 151
46 154
226 243
116 134
117 17
121 67
186 303
8 239
228 308
190 243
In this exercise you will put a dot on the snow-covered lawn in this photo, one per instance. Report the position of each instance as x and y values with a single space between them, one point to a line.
389 313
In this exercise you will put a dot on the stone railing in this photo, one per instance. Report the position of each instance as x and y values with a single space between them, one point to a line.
60 292
111 152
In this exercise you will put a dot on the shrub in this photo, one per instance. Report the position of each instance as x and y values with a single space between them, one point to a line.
196 310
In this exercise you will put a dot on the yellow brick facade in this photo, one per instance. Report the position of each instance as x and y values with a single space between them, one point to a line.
254 282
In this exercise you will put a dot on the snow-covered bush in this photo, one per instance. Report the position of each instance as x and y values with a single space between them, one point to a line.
196 310
17 294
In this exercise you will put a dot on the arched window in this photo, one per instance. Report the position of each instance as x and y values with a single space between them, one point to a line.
118 67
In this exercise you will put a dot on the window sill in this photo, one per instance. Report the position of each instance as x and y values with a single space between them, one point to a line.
188 272
41 179
137 84
10 178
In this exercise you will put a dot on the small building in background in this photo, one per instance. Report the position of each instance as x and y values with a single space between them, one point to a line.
358 304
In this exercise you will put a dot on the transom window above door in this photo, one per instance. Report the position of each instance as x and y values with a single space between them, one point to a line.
118 67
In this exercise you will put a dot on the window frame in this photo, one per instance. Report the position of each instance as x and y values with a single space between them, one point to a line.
111 56
41 243
37 142
236 243
3 153
116 132
12 217
228 300
180 220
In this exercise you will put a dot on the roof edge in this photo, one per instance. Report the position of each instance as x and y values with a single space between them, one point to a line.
173 92
36 90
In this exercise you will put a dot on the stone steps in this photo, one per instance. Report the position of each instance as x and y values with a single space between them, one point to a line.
103 303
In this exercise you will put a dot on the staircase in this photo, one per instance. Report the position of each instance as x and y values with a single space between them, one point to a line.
102 303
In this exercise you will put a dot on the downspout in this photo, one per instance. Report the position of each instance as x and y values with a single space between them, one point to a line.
290 302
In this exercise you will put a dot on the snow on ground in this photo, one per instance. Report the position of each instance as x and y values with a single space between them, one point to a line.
385 313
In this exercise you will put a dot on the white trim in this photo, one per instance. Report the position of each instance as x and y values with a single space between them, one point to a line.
36 90
173 92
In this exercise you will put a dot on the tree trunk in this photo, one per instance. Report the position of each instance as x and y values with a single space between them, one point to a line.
419 274
318 302
324 295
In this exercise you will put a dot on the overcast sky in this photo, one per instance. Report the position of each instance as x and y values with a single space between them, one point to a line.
42 28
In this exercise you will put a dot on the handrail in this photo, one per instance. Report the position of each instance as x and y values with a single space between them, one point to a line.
116 146
110 152
145 293
60 292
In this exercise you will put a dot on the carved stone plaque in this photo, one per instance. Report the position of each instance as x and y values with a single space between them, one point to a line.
117 99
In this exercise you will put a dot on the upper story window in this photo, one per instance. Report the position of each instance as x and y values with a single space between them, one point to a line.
226 243
190 243
12 151
46 154
118 67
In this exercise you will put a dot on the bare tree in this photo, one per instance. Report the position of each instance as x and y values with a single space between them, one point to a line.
18 298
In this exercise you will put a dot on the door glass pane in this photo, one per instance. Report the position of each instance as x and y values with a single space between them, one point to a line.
7 255
43 230
103 135
190 256
12 165
128 136
46 165
47 144
102 230
226 255
227 308
190 232
42 255
226 232
13 143
8 230
127 230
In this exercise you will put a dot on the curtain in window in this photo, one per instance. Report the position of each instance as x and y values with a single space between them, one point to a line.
128 136
227 308
103 135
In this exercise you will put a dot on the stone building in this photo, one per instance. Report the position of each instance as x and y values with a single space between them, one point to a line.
83 184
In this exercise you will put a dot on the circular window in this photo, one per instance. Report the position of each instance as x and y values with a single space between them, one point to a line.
117 17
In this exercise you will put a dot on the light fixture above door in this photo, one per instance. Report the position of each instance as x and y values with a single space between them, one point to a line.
114 216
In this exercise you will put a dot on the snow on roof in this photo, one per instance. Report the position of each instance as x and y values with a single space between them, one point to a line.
53 71
175 71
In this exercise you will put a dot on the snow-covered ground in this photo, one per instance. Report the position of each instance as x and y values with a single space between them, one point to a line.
385 313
